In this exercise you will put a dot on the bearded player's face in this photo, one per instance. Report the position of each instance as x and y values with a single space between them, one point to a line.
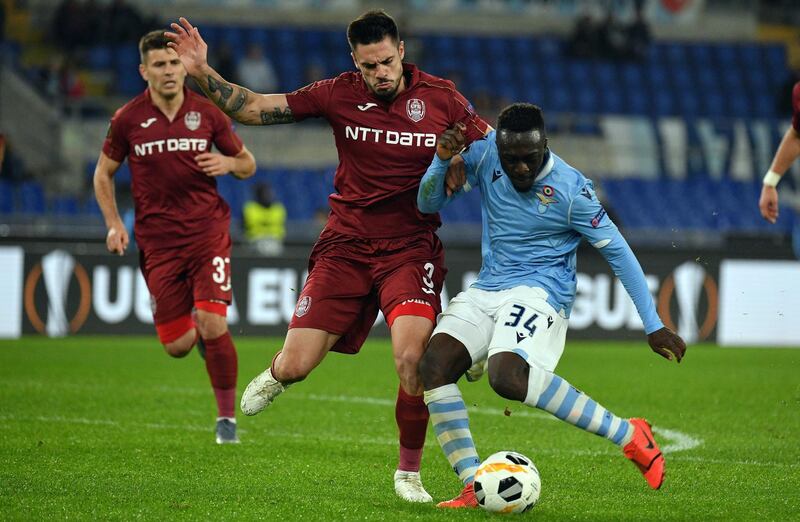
163 72
381 64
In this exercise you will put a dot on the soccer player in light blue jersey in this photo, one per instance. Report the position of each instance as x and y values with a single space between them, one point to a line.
536 209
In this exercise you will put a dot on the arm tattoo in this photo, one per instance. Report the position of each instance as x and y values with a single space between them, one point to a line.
225 91
239 102
278 115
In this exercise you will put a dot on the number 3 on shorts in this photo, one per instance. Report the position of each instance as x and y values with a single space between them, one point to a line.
427 279
219 276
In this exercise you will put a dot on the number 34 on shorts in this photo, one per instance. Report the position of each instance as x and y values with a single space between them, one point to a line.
536 334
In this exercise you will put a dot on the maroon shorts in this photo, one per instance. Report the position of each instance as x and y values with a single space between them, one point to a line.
177 277
350 279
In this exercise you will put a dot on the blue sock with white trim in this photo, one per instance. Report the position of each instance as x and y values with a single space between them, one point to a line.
451 424
547 391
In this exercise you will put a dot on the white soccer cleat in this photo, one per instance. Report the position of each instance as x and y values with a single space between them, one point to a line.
477 370
260 393
408 486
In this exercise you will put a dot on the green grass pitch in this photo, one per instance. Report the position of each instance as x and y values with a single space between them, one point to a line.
110 428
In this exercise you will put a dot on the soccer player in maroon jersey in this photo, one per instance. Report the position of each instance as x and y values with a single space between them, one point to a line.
788 151
377 250
181 221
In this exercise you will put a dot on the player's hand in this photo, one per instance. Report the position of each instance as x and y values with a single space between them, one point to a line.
451 142
190 46
456 176
117 239
214 164
768 203
667 344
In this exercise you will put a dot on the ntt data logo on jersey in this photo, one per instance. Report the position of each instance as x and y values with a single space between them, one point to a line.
170 145
390 137
48 287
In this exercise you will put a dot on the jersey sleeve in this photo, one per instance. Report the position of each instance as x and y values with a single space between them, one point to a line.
796 107
588 217
432 196
225 139
311 101
116 144
463 112
475 156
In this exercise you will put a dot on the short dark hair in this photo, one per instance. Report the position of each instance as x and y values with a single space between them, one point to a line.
521 117
372 27
152 40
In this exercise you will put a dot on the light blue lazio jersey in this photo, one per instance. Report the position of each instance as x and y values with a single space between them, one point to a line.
530 239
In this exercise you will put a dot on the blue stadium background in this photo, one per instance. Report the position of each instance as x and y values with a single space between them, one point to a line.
690 80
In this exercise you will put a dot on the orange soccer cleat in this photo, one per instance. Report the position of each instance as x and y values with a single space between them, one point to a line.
465 499
643 451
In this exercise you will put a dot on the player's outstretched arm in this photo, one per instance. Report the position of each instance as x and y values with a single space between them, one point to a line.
667 344
243 105
117 238
788 151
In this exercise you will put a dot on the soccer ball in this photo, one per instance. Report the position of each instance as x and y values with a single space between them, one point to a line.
507 482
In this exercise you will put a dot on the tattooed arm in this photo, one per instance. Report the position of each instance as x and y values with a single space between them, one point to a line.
243 105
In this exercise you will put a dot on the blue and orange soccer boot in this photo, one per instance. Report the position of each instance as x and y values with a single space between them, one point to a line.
643 451
465 499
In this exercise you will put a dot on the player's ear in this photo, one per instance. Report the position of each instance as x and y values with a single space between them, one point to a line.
401 48
143 71
355 62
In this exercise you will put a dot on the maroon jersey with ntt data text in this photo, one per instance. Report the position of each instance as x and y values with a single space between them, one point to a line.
175 202
384 147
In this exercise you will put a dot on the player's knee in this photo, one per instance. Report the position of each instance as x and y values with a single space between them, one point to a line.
290 371
443 362
178 349
213 330
508 376
407 363
211 326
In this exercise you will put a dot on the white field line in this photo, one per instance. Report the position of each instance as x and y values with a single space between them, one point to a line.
355 441
387 402
679 441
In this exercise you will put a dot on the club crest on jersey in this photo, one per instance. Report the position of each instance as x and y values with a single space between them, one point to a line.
415 108
303 305
192 120
544 198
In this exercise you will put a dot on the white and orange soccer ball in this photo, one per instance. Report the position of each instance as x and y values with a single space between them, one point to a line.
507 482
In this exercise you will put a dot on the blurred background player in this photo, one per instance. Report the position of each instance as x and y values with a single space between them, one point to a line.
788 151
264 220
376 251
182 224
536 210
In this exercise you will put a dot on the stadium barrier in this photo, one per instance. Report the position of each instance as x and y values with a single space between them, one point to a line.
66 289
